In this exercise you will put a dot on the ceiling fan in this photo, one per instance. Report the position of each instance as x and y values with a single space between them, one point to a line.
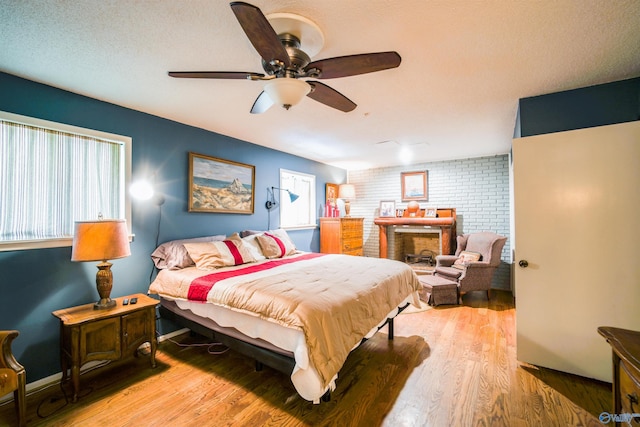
285 63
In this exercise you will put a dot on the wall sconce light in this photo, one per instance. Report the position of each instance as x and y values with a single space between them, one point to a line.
143 190
101 240
271 199
272 203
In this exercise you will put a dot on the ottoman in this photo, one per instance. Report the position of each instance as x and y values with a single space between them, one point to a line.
438 290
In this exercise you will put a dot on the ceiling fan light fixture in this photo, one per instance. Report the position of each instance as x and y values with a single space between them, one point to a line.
287 91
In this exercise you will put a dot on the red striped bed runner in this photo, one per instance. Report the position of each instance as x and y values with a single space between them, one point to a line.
200 287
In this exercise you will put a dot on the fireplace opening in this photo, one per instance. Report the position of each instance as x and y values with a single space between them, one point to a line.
416 246
425 256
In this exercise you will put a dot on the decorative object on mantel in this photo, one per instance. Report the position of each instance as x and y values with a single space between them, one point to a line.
413 208
414 186
430 212
348 193
101 240
445 220
387 209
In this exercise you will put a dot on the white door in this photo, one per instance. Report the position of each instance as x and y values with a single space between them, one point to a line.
577 225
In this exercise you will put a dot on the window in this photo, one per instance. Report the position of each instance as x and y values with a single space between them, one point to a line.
301 212
52 175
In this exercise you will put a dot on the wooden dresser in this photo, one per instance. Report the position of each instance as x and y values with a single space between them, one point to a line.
626 373
341 236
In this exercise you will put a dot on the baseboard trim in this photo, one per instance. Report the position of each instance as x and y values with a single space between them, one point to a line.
54 379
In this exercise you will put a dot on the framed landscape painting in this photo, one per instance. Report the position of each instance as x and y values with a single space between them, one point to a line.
217 185
414 186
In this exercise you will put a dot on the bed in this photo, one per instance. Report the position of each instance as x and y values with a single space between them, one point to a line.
298 312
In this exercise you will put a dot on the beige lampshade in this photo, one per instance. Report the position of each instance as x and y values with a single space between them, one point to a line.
347 191
100 240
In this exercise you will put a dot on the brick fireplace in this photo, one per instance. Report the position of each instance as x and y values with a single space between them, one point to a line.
405 236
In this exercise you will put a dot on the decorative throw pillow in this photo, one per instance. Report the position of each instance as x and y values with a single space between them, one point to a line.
251 242
173 255
210 255
465 258
276 244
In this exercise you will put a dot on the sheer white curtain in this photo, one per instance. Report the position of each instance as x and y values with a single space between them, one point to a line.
49 179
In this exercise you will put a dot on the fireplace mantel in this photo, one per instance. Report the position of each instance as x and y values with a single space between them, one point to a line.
445 220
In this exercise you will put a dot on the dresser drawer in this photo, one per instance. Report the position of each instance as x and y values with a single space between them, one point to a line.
629 389
352 241
352 234
341 236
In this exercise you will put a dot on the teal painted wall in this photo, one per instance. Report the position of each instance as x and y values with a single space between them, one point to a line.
34 283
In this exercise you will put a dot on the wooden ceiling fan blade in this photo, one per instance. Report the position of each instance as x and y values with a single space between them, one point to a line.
262 103
214 75
351 65
260 33
324 94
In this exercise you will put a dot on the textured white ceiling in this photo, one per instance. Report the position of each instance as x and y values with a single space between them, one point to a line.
464 66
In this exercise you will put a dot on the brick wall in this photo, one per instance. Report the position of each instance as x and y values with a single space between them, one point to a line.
478 188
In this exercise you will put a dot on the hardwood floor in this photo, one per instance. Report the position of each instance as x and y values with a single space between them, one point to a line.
448 366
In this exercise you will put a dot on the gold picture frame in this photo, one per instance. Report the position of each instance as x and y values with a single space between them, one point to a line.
222 186
331 192
414 186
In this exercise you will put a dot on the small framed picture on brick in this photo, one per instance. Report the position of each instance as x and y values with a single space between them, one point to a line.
387 208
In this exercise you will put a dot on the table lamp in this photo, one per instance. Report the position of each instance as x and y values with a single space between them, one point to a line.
347 192
101 240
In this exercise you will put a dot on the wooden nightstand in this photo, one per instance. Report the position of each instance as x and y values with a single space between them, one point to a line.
341 236
87 334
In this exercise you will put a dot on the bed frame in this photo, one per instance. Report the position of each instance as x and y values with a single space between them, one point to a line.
263 352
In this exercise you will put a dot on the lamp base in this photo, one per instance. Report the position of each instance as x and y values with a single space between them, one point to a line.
347 209
104 304
104 283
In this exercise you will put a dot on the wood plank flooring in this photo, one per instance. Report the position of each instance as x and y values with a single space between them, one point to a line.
448 366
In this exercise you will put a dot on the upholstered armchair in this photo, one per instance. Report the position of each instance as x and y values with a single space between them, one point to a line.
13 377
476 260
